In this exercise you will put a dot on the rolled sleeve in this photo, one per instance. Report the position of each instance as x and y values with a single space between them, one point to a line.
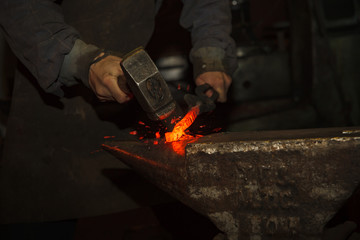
210 24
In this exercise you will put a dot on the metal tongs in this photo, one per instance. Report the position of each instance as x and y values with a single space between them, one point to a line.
200 99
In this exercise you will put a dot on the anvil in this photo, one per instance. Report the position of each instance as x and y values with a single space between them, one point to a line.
255 185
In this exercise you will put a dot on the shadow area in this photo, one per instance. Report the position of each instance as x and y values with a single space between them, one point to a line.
350 211
173 217
141 191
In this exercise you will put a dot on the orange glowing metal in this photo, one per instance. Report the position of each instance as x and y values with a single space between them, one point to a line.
179 146
180 127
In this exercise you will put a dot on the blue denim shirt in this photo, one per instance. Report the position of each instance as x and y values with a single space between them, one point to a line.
40 38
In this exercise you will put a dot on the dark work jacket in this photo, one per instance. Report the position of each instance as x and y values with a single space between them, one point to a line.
40 37
53 167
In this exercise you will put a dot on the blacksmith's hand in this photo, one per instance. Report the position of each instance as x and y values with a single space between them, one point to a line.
220 81
106 77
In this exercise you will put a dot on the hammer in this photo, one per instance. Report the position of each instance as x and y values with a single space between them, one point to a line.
147 85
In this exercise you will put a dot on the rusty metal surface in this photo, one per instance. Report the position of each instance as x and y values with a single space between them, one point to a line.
158 162
257 185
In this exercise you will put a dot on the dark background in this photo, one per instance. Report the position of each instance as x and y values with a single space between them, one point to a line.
297 68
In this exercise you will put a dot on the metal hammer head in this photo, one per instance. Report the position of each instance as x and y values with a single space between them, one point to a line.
147 84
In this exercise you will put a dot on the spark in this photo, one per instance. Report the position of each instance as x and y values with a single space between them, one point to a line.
175 119
106 137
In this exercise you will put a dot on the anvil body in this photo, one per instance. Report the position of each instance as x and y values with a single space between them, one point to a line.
256 185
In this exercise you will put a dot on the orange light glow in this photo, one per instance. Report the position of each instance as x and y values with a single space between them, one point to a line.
180 127
135 156
157 134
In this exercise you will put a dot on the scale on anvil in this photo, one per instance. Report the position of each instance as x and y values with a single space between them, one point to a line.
247 182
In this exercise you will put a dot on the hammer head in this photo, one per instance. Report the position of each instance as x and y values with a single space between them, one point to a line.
148 85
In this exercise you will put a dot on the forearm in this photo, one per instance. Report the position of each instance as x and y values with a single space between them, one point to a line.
76 64
210 24
38 36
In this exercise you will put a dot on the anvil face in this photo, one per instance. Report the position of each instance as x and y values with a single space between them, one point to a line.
247 182
162 162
